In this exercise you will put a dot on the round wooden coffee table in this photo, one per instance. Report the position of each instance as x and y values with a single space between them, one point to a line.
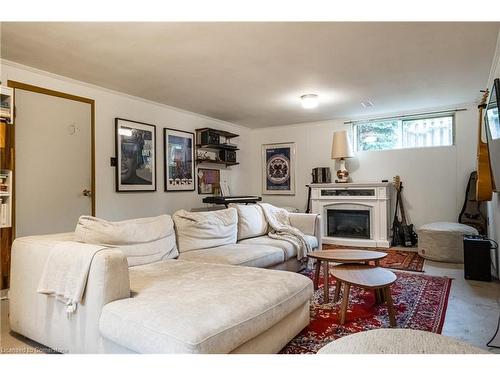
341 256
366 277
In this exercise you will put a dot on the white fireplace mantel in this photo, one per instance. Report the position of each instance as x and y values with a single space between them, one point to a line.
374 197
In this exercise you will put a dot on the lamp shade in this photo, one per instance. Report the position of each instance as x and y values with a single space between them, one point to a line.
341 146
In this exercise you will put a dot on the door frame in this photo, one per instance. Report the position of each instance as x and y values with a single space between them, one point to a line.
42 90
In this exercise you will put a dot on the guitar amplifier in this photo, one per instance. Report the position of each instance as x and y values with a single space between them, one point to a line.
477 258
321 175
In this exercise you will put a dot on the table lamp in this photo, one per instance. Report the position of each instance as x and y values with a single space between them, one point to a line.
341 149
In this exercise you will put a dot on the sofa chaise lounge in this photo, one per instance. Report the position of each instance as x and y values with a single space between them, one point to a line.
196 303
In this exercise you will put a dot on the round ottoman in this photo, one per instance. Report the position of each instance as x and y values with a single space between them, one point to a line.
398 341
443 241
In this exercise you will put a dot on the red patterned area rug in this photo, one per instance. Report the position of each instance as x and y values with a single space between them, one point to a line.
420 302
396 259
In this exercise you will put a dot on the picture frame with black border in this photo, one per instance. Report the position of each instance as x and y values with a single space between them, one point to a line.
178 161
135 153
278 168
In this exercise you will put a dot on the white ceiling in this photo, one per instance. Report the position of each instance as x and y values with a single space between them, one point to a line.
253 73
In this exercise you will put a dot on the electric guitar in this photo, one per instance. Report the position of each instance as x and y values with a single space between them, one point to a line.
484 183
403 233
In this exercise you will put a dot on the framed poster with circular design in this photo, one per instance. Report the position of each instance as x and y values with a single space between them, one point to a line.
278 168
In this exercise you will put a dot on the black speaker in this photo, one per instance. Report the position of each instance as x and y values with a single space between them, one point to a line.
477 258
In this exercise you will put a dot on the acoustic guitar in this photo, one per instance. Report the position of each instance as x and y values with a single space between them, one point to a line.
484 183
473 211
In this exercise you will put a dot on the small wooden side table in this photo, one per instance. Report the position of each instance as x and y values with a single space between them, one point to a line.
367 277
341 256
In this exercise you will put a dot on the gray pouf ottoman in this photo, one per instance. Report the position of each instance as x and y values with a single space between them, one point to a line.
398 341
443 241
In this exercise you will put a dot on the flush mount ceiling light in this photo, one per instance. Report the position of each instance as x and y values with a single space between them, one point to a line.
367 104
309 101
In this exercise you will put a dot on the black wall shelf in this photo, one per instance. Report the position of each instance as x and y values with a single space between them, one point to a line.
217 147
227 164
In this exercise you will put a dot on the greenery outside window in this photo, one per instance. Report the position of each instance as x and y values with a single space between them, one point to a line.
400 133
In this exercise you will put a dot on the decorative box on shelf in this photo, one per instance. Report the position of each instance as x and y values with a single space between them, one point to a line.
226 155
5 198
214 146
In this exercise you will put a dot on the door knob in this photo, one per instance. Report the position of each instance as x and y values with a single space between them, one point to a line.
87 193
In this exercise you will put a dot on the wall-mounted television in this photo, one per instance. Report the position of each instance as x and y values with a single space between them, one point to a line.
492 122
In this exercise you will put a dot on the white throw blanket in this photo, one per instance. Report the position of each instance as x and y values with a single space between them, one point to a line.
66 271
279 221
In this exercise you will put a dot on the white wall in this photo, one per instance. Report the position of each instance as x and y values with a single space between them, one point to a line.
109 104
434 179
494 205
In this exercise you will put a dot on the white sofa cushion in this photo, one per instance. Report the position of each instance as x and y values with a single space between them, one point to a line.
237 254
288 249
201 230
190 307
93 230
143 240
251 220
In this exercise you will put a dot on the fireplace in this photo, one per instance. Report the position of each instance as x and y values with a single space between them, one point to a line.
354 214
348 223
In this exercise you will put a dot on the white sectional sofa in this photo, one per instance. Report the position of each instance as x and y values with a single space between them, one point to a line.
244 240
199 302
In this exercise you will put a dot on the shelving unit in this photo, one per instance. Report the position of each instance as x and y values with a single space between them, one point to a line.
6 104
5 198
211 144
6 112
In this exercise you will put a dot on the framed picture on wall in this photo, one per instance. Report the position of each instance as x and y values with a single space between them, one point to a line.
178 159
135 151
278 168
208 181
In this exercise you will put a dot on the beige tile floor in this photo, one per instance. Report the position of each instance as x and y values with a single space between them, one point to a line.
472 314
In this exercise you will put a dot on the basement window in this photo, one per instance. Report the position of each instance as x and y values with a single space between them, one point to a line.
400 133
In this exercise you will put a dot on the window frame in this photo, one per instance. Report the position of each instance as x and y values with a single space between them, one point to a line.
401 120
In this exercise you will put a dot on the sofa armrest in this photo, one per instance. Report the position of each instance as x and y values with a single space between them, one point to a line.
41 317
308 224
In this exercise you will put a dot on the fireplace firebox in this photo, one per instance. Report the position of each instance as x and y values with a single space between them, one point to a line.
348 223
